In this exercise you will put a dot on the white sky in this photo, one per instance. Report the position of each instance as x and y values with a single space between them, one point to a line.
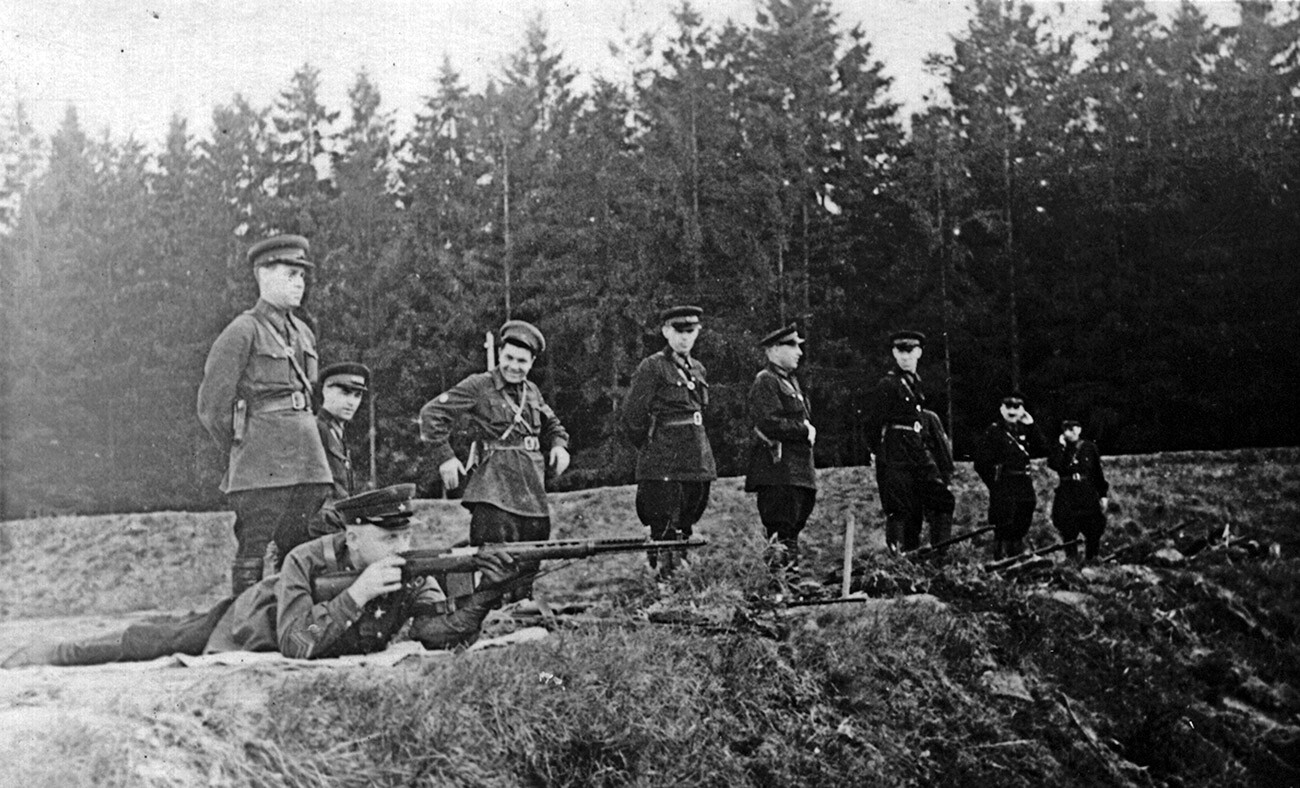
129 65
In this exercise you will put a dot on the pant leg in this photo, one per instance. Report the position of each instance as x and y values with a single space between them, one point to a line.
784 510
293 527
257 515
901 502
490 524
667 507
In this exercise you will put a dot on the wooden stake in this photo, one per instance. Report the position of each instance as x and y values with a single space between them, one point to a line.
850 525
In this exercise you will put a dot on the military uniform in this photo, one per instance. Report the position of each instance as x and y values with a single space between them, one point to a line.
1002 460
663 417
907 477
255 402
352 377
513 428
1076 506
780 465
936 442
280 614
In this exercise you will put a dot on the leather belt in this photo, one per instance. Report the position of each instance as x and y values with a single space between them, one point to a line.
914 427
294 401
696 419
525 443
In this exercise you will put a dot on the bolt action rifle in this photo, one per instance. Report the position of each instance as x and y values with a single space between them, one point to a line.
1015 561
421 564
921 552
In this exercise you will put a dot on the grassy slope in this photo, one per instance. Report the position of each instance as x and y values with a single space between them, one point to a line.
1131 675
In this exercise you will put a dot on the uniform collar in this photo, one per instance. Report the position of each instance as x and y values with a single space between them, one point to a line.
780 372
500 382
914 377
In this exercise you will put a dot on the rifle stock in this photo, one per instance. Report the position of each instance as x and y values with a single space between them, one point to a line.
422 563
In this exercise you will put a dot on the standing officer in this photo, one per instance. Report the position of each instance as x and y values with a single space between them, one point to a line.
343 387
1079 506
1002 457
909 481
515 432
781 455
663 417
255 402
940 448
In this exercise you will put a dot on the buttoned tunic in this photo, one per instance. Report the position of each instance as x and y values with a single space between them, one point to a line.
513 429
279 613
663 417
779 409
250 362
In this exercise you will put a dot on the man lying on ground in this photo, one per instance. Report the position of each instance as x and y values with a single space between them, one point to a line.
279 613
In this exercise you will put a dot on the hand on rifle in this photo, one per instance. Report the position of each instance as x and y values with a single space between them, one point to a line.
812 432
559 459
451 471
497 566
382 577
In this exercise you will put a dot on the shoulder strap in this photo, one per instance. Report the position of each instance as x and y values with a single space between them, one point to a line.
293 357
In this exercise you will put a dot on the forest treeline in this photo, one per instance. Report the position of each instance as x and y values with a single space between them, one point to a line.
1105 220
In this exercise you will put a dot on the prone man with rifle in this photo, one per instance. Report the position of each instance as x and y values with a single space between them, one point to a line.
344 593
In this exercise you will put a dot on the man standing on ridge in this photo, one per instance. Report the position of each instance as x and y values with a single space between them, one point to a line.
255 402
1079 505
781 454
515 435
1002 460
663 417
907 477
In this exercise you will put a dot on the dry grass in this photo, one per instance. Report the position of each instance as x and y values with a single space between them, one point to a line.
1130 675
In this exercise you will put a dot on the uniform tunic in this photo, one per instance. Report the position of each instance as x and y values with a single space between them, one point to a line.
1076 507
250 362
330 429
907 476
1002 460
511 440
779 410
784 478
279 614
663 417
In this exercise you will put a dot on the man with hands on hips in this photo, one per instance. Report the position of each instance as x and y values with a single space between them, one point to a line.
515 436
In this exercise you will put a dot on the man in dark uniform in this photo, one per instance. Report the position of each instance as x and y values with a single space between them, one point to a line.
515 434
1002 456
255 402
280 613
343 387
781 454
938 444
663 417
906 474
1079 506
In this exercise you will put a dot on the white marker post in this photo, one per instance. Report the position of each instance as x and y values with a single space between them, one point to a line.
850 525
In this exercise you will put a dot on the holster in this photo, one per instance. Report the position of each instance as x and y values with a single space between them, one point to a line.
238 421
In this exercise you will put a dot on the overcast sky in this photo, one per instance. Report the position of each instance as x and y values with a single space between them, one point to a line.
128 65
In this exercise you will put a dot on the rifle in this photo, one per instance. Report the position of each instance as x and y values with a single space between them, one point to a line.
423 563
927 549
1013 561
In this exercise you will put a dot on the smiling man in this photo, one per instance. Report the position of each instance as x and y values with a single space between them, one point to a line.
516 436
255 402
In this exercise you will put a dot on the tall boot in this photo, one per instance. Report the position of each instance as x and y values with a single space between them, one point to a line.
244 573
893 532
1072 553
940 528
999 549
